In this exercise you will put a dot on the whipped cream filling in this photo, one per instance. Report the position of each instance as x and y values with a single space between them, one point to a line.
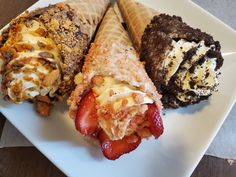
120 97
175 57
202 80
38 65
113 91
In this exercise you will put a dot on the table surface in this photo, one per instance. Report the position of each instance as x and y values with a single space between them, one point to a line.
28 161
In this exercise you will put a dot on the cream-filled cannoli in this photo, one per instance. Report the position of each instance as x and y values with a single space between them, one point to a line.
115 102
41 50
183 62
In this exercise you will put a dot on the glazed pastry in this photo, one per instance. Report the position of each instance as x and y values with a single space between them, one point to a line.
41 51
115 102
183 62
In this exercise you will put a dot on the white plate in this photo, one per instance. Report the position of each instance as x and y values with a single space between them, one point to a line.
188 131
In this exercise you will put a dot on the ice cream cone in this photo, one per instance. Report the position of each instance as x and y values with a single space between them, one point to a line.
72 23
118 13
111 30
137 16
90 12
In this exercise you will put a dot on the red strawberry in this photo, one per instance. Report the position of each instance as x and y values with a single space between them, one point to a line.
114 149
154 117
86 119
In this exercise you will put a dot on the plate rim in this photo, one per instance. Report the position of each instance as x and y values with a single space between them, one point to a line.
189 171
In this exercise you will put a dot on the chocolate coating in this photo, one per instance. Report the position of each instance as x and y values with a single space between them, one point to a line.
156 42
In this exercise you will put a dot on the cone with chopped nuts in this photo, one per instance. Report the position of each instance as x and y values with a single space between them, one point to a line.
42 50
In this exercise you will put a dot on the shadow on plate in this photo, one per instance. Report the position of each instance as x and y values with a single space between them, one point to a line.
191 109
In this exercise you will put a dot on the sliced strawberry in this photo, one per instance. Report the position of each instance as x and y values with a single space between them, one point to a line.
154 117
86 119
114 149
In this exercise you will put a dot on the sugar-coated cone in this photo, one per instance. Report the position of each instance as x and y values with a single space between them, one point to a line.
90 12
112 54
118 13
111 30
137 16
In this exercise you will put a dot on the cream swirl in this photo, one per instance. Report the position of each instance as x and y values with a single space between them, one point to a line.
190 75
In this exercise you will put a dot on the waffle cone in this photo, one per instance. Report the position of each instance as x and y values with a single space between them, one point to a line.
111 30
89 12
137 16
118 13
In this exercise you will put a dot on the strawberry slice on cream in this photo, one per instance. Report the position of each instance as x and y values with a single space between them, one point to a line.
118 103
125 102
115 113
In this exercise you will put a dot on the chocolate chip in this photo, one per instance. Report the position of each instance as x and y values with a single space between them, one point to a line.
191 70
201 60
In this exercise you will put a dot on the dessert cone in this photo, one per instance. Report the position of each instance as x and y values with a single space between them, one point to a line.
72 24
115 83
118 13
90 12
57 37
112 54
111 30
137 16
